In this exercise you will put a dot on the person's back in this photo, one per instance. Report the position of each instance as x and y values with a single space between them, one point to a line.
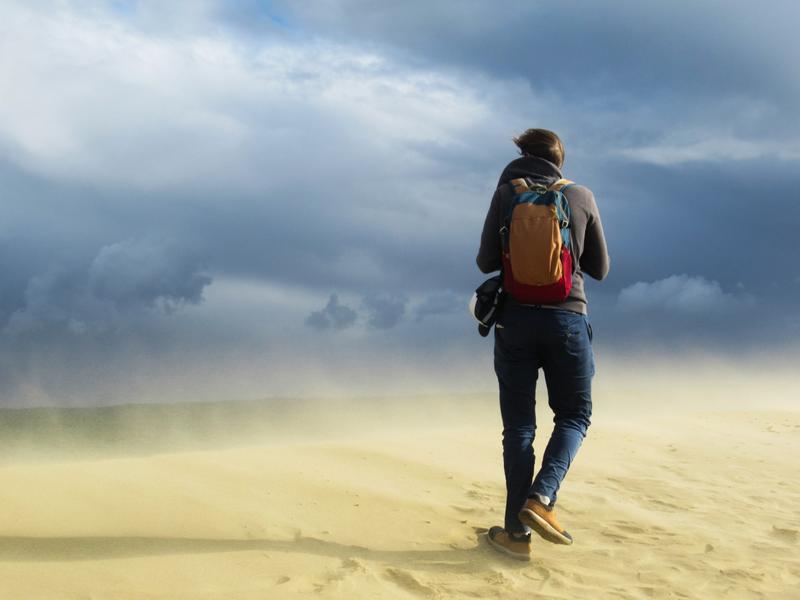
555 337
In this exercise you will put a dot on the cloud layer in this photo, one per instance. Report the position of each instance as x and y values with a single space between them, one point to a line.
212 180
333 316
680 295
125 280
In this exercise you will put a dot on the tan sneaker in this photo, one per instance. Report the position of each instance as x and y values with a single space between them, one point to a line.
502 541
542 519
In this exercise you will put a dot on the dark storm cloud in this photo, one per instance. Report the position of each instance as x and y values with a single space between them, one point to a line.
124 278
733 222
383 311
622 48
333 316
377 311
703 255
146 273
624 74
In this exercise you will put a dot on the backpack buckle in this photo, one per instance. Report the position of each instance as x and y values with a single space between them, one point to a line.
538 189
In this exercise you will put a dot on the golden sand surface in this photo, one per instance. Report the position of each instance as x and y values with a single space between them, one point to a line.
695 504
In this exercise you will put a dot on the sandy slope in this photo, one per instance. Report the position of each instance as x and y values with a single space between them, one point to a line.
701 506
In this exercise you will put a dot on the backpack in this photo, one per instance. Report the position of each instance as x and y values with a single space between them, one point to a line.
537 261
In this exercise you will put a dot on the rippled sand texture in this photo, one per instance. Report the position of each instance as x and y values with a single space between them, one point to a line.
701 505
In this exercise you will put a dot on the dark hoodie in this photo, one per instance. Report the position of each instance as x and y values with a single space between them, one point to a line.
589 251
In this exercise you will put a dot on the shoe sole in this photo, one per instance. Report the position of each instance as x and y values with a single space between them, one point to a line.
543 528
507 552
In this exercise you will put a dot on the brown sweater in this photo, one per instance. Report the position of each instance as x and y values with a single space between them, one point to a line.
589 251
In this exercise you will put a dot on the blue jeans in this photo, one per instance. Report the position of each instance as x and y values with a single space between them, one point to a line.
560 343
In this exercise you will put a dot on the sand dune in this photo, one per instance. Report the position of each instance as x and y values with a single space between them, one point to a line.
704 505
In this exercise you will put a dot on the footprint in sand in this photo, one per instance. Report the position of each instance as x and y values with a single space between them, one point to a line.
478 492
630 528
406 581
666 506
348 567
742 574
538 574
785 535
353 565
496 578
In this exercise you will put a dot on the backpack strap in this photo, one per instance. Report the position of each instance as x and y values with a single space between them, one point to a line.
559 185
562 206
519 186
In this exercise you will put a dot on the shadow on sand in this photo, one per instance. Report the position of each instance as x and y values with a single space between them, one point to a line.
466 560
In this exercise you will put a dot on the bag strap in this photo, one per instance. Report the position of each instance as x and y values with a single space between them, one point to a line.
565 212
519 186
559 185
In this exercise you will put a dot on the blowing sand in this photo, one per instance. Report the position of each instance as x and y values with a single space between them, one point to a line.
701 505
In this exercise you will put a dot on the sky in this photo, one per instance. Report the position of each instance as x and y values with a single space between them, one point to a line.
220 200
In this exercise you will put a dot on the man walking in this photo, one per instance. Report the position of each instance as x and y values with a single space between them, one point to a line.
553 335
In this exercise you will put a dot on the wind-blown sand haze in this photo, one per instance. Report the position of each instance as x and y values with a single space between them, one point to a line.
694 504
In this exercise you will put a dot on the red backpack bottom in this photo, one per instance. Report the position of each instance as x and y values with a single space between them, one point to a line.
540 294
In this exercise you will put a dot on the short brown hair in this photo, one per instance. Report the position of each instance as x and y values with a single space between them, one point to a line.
542 143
